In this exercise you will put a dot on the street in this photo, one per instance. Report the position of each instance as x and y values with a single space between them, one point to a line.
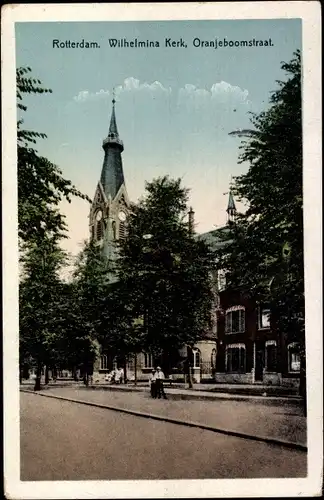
62 440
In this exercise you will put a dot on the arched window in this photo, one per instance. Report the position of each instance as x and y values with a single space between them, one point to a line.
213 359
196 358
235 358
235 319
99 231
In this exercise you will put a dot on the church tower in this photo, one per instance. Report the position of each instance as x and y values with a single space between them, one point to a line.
110 206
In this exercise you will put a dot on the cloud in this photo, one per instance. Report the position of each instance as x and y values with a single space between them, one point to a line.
85 95
220 92
130 84
133 84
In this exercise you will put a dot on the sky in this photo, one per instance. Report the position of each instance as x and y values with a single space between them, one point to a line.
175 106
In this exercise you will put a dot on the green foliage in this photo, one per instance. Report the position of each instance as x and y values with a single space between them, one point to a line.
101 313
41 226
273 221
41 186
164 271
40 294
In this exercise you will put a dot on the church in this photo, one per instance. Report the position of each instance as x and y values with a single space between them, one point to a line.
107 224
242 346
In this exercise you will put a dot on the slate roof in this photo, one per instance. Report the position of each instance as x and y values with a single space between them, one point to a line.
112 175
214 238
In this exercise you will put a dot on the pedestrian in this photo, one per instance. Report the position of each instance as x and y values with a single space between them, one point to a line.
159 377
152 384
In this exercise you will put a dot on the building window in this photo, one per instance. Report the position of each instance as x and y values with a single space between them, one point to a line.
235 319
213 359
293 358
271 356
99 231
221 280
196 358
92 232
103 362
148 360
235 358
263 317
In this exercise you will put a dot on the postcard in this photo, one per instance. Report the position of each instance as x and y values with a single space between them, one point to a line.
162 244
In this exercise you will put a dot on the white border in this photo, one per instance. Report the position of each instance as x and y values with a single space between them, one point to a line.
309 12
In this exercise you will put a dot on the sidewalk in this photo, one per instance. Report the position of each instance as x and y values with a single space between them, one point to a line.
236 392
284 422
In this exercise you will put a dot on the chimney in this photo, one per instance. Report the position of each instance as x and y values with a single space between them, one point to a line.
191 221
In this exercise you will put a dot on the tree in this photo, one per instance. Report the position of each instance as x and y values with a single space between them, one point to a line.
264 257
39 305
100 314
41 226
89 317
164 272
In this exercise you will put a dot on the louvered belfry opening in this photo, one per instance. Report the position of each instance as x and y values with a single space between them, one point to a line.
99 231
122 230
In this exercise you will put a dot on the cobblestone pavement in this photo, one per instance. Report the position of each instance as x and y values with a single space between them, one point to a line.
284 422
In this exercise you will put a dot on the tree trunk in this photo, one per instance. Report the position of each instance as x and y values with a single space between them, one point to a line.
135 369
37 386
125 370
189 355
190 378
20 375
46 375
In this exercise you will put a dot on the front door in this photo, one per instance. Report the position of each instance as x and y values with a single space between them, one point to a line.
259 364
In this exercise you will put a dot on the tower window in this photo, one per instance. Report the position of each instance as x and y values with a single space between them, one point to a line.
113 225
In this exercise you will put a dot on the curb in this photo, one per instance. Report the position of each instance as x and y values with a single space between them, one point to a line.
219 430
210 396
200 396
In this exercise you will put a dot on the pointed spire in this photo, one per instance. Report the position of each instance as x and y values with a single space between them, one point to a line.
113 132
231 208
112 175
231 203
191 220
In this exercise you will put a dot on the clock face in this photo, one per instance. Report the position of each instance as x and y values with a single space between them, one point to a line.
122 216
99 215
